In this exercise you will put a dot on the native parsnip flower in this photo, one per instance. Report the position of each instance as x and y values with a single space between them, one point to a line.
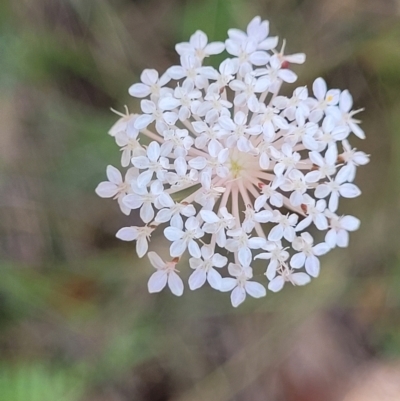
233 171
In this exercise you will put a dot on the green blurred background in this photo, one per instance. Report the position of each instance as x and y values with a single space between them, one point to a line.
76 321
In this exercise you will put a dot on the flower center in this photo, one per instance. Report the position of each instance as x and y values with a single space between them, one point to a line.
241 164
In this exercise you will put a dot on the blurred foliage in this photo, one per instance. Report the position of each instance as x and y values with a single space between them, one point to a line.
76 322
37 382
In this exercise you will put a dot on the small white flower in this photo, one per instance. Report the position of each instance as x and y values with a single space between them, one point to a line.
236 131
241 243
337 188
143 199
124 125
185 239
116 187
179 140
218 225
294 108
344 114
139 234
284 228
287 160
269 193
204 269
252 218
153 113
276 255
173 212
166 273
151 84
198 46
324 98
353 159
339 227
308 254
288 275
224 75
190 69
183 100
129 144
241 284
315 212
325 165
154 162
247 91
297 183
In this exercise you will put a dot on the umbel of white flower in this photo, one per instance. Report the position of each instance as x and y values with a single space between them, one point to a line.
230 171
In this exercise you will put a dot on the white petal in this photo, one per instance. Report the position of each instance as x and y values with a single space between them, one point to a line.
141 246
194 249
297 260
219 260
214 48
256 242
349 191
300 278
144 178
342 175
276 233
198 163
262 84
197 279
342 238
132 201
297 58
127 233
312 266
227 284
139 90
114 175
244 256
321 249
175 284
168 103
271 269
106 189
238 295
147 212
256 290
319 88
259 58
331 238
287 76
346 101
157 281
357 130
143 121
214 279
176 72
209 216
333 202
276 284
149 76
304 224
350 223
321 222
155 260
322 191
173 233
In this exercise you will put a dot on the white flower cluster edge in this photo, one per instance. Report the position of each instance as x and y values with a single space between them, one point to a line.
233 172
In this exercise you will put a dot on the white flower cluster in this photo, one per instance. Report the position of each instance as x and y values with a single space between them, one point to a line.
233 172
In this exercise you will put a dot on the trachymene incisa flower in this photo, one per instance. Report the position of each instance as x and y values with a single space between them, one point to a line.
234 172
